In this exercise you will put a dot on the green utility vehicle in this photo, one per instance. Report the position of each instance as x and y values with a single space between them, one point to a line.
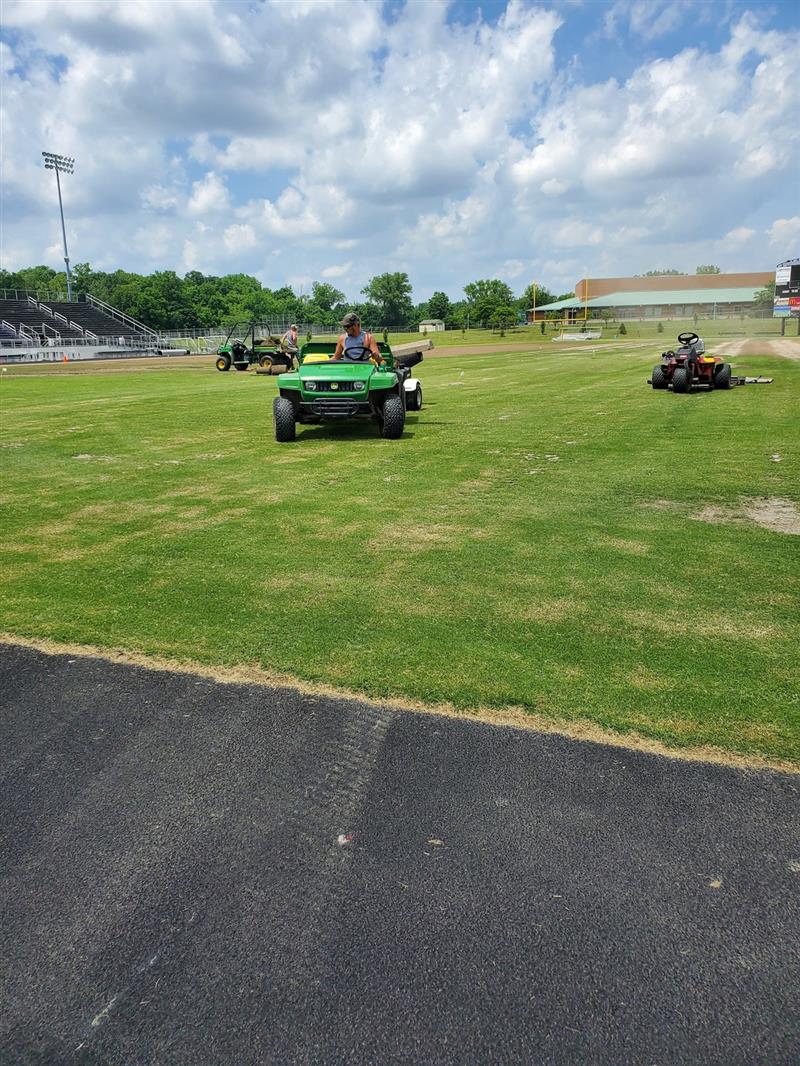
243 347
321 390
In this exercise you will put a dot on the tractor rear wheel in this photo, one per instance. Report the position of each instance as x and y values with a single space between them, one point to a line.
680 379
394 418
659 378
283 416
722 378
223 362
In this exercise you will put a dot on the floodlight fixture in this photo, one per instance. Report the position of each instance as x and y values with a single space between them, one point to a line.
61 164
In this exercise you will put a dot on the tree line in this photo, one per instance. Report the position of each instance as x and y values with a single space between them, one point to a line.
165 301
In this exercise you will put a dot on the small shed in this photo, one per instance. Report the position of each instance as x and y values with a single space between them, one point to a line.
432 325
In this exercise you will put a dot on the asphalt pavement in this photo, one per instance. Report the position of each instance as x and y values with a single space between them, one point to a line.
202 873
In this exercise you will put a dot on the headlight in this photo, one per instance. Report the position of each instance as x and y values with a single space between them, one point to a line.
358 386
311 386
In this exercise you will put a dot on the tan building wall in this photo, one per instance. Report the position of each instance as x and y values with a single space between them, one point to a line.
605 286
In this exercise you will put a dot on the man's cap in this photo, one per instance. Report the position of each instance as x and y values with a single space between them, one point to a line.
293 326
350 319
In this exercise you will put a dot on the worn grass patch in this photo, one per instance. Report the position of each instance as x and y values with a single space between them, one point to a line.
532 542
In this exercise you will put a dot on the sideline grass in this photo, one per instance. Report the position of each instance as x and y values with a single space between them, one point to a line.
532 540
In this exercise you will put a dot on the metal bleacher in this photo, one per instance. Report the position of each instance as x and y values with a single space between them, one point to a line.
39 320
28 320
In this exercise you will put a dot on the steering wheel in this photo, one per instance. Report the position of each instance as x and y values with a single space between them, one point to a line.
688 338
365 353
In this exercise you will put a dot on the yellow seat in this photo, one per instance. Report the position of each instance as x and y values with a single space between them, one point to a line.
316 359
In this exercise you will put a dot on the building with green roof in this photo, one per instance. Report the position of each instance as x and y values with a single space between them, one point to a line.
661 296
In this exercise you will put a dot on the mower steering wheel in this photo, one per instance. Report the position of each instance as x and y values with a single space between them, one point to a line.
688 338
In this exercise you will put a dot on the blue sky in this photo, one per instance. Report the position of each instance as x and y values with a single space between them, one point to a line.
322 140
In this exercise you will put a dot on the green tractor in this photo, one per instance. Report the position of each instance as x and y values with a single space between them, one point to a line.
322 390
243 347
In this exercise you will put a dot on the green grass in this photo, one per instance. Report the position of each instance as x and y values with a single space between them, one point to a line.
531 540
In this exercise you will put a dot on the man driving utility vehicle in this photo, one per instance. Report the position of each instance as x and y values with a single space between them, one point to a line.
356 345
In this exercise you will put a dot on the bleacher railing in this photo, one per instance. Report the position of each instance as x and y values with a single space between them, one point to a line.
120 316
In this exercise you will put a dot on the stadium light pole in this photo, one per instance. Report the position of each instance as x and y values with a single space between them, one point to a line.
65 165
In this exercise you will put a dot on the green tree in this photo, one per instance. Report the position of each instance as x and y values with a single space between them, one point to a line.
504 316
534 296
438 307
709 268
765 298
36 279
326 296
484 297
82 276
392 294
658 273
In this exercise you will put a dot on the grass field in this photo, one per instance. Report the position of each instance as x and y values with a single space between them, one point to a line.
525 336
710 329
549 533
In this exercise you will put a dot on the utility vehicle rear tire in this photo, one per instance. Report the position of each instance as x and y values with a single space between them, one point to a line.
242 366
266 360
394 418
722 378
680 379
414 399
659 378
223 362
283 415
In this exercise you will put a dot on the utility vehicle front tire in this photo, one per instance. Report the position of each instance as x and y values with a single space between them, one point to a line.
722 378
659 378
394 418
223 362
680 379
283 416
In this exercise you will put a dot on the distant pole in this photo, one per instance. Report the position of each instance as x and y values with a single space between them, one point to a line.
533 286
65 165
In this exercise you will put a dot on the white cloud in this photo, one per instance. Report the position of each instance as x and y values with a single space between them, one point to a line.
784 233
239 238
337 271
449 149
736 237
511 269
208 195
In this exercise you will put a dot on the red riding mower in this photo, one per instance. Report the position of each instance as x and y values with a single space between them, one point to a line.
689 367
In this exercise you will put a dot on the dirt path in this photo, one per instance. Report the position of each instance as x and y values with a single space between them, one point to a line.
787 347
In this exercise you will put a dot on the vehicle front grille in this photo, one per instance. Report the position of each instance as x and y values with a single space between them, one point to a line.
332 386
338 408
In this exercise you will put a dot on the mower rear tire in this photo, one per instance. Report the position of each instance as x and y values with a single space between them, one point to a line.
223 362
659 378
242 366
722 378
681 379
414 399
283 416
394 418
